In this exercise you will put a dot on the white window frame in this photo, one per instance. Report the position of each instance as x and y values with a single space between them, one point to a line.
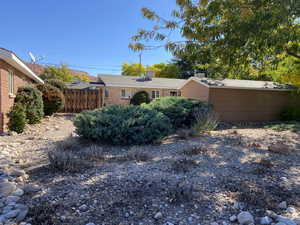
10 82
125 92
106 92
155 94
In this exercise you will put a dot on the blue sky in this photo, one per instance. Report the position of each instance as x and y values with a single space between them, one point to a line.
84 33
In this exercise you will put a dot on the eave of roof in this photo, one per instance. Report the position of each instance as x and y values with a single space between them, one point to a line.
17 63
130 82
196 79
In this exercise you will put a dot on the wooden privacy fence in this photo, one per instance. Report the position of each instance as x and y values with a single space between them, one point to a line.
79 100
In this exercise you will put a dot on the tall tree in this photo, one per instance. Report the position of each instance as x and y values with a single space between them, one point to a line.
238 35
134 69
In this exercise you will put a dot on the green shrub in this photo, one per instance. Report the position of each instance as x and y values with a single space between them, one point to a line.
120 124
31 100
17 118
53 98
56 83
139 98
291 113
181 111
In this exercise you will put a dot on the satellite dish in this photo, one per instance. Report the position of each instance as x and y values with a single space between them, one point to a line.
32 57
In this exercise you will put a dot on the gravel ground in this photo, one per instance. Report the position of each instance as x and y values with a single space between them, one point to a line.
195 180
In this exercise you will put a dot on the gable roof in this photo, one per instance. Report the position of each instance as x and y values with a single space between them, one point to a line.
12 59
135 82
241 84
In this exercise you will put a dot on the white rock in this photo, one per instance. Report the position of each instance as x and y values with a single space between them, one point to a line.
282 205
214 223
291 210
158 215
90 224
265 220
233 218
245 218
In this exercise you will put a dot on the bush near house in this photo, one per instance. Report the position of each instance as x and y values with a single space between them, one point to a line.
291 113
123 124
31 100
17 118
180 110
56 83
53 98
140 98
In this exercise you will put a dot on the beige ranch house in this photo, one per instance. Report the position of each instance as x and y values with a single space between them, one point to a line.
233 100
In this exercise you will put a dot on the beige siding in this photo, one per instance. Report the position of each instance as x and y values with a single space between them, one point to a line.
195 90
116 99
249 105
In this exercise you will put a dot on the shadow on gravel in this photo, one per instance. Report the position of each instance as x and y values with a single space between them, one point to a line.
128 186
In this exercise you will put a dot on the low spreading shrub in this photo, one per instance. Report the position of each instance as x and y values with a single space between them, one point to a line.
291 113
120 124
180 110
53 98
140 98
17 118
31 100
57 83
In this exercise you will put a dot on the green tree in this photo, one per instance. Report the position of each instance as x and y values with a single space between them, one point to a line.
230 35
134 69
165 70
61 73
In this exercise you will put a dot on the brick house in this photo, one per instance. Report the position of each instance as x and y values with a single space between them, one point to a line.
13 74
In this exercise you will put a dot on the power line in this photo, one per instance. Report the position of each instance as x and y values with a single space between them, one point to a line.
88 67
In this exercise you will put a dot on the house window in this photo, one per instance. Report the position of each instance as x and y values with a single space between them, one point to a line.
10 82
173 93
155 94
106 93
125 93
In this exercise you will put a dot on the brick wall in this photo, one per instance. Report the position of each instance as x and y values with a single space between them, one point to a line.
7 101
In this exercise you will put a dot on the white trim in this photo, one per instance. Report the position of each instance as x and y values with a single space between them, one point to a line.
14 61
232 87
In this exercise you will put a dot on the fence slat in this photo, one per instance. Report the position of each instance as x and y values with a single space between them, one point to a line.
79 100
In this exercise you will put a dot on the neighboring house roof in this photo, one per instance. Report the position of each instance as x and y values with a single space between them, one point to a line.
137 82
38 69
12 59
241 84
83 85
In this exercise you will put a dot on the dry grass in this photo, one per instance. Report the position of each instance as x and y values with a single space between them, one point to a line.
183 165
195 150
137 155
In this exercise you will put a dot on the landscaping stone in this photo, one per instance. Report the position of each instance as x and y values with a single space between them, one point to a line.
282 205
233 218
7 188
285 220
265 220
245 218
280 148
158 215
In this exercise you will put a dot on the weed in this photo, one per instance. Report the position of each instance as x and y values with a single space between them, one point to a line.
64 161
183 165
205 122
289 126
195 150
137 155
